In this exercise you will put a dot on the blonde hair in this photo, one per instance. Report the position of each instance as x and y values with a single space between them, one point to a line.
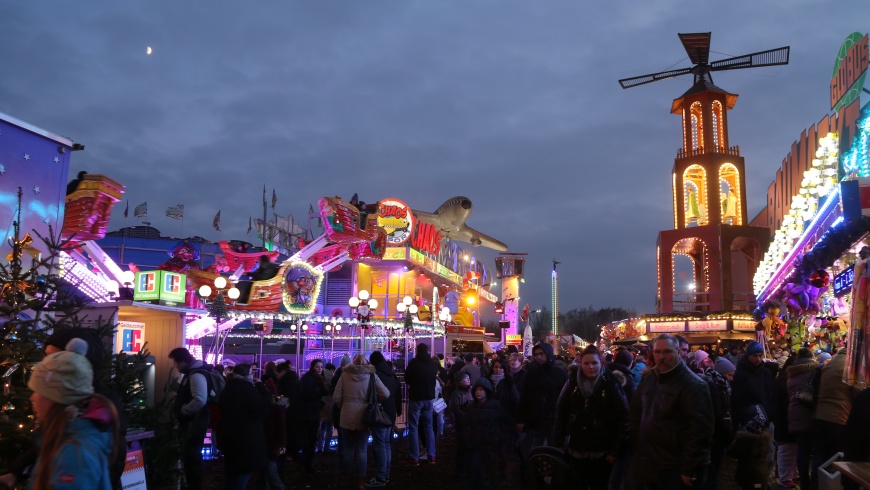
360 360
54 436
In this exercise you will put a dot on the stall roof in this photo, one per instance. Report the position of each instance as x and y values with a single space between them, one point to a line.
36 130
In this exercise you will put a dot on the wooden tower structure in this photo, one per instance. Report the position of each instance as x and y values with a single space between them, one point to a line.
709 191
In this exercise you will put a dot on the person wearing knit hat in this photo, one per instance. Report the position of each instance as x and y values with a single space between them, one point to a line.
824 357
79 429
754 347
724 367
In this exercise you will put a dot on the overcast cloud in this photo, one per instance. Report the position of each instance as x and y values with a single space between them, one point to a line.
513 103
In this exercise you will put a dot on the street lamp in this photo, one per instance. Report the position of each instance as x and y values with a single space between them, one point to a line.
298 330
445 318
408 308
217 307
364 305
332 329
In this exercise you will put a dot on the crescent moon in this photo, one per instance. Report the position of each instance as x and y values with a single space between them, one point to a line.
148 50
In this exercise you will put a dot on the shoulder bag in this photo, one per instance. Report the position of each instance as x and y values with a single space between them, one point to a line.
375 416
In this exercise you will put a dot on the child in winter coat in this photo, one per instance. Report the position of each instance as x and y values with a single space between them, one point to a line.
483 422
751 447
459 400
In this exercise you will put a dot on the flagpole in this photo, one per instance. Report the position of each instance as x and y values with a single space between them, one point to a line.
264 216
126 229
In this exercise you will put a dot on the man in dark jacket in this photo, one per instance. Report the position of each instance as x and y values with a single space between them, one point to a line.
622 364
543 383
382 437
420 378
243 408
670 422
753 384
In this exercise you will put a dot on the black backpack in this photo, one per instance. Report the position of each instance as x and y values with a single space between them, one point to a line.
214 381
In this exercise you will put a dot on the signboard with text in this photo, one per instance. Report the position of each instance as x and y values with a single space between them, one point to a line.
708 325
130 337
397 219
514 339
165 287
850 70
744 325
663 327
843 281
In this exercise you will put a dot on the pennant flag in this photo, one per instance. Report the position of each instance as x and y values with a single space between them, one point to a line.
249 225
274 199
175 212
310 209
216 222
141 211
127 209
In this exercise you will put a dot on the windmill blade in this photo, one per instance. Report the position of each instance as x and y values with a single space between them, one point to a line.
653 77
697 46
771 57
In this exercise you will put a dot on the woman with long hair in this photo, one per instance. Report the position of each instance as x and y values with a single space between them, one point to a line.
351 395
79 429
592 421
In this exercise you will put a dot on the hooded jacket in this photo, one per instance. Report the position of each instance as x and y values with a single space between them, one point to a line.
594 424
671 424
800 416
351 394
543 384
483 422
82 461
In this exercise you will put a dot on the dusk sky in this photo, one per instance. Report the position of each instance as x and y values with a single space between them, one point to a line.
513 103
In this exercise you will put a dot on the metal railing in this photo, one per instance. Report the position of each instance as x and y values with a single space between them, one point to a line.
701 150
697 301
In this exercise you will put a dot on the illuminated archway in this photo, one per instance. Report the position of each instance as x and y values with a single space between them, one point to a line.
695 196
718 126
691 275
697 119
729 195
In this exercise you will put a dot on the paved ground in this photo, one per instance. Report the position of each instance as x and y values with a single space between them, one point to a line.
425 477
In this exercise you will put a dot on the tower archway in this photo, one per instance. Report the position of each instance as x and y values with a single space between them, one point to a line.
695 196
729 194
691 284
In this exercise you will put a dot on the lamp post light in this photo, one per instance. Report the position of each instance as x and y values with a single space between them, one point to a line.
363 305
407 308
332 329
298 330
445 318
217 307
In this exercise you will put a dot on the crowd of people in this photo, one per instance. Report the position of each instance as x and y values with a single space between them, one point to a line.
659 417
663 417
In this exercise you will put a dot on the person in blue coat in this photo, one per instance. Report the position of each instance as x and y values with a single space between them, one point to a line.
79 429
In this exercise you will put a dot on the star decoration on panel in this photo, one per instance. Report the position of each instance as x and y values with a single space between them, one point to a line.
46 220
36 190
56 159
2 169
27 156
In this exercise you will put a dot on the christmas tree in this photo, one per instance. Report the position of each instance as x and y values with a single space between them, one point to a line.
35 301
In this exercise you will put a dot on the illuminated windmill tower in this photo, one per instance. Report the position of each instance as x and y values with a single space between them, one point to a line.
711 242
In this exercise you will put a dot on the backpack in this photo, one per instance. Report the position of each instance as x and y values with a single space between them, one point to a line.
214 381
808 394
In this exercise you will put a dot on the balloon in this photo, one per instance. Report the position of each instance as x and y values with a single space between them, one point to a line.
819 278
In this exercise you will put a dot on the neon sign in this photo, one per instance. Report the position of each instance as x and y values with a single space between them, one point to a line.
850 70
397 219
843 281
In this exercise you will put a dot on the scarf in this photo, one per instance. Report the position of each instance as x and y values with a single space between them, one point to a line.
496 379
587 386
